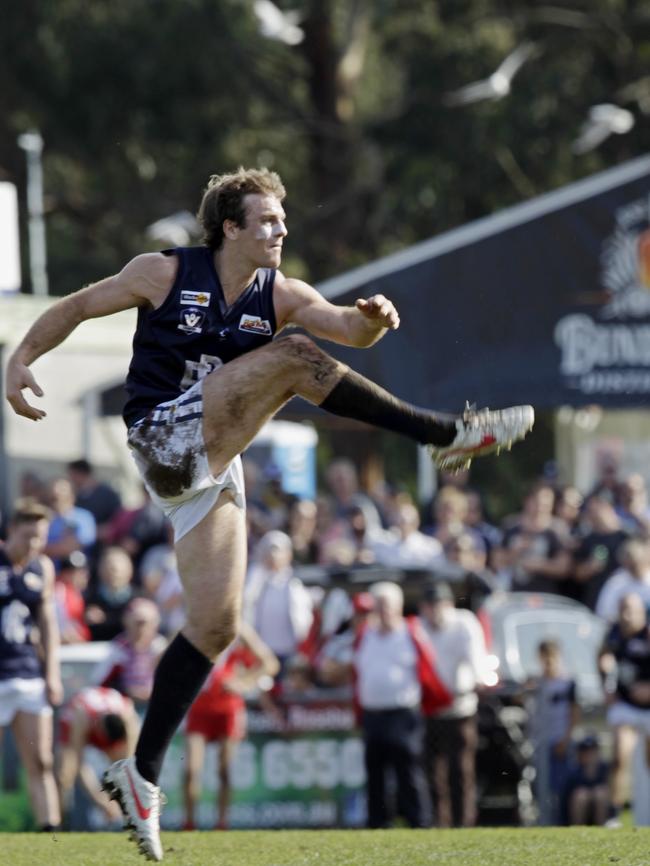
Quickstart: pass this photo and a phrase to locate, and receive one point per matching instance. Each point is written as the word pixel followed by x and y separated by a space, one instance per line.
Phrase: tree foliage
pixel 139 101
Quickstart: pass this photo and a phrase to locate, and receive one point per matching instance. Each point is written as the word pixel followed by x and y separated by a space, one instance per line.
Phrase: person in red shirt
pixel 71 583
pixel 98 717
pixel 218 715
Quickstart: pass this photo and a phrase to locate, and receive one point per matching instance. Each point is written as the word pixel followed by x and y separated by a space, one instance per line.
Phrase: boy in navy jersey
pixel 206 375
pixel 30 679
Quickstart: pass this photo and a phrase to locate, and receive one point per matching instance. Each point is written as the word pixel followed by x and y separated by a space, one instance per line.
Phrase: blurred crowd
pixel 415 667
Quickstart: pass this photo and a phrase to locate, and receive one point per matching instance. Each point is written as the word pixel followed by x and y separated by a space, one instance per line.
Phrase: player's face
pixel 262 237
pixel 29 538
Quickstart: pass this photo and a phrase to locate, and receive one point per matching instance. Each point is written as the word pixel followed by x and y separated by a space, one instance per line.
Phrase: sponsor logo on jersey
pixel 33 581
pixel 192 320
pixel 196 299
pixel 255 325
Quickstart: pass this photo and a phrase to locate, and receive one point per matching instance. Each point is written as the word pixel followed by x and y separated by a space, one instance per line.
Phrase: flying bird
pixel 603 120
pixel 498 84
pixel 275 24
pixel 178 229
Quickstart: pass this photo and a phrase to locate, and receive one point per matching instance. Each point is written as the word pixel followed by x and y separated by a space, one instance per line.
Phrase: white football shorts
pixel 170 453
pixel 622 713
pixel 18 695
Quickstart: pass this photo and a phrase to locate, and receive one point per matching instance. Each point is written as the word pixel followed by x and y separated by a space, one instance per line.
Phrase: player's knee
pixel 298 347
pixel 42 764
pixel 213 635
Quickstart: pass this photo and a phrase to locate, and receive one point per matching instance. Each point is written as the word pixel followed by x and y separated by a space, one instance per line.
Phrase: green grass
pixel 573 846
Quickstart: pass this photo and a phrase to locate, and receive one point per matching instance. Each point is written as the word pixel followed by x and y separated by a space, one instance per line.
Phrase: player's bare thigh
pixel 240 397
pixel 33 734
pixel 212 565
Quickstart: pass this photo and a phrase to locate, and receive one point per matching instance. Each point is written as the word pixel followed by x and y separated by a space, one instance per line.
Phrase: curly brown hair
pixel 223 199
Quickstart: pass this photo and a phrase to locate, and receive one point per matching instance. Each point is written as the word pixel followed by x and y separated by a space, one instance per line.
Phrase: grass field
pixel 500 847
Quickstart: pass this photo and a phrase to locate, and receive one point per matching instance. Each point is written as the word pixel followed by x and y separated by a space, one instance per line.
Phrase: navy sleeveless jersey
pixel 21 592
pixel 194 332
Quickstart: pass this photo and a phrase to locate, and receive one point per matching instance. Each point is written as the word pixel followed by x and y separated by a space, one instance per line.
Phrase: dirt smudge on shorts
pixel 168 472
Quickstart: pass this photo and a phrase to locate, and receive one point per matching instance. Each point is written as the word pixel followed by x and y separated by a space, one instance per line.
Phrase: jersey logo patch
pixel 191 321
pixel 197 299
pixel 255 325
pixel 33 581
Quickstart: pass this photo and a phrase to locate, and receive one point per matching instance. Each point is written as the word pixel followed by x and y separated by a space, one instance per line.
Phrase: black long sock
pixel 354 396
pixel 181 672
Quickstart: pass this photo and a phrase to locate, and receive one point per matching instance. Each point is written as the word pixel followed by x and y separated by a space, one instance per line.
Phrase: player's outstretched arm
pixel 298 303
pixel 143 280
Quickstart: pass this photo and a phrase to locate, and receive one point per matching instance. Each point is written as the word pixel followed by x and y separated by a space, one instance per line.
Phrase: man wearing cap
pixel 71 583
pixel 586 791
pixel 457 640
pixel 396 683
pixel 276 602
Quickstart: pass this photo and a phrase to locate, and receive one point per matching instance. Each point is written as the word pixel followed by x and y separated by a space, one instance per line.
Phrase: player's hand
pixel 54 691
pixel 380 310
pixel 19 377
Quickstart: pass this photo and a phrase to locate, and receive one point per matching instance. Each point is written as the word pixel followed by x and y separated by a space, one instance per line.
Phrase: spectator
pixel 567 511
pixel 298 682
pixel 632 577
pixel 276 603
pixel 586 793
pixel 71 528
pixel 134 654
pixel 607 482
pixel 475 519
pixel 107 602
pixel 532 553
pixel 452 732
pixel 94 495
pixel 257 517
pixel 32 486
pixel 30 677
pixel 395 679
pixel 554 714
pixel 218 715
pixel 624 664
pixel 139 530
pixel 633 506
pixel 343 619
pixel 343 482
pixel 275 500
pixel 161 580
pixel 357 540
pixel 466 557
pixel 71 584
pixel 387 498
pixel 408 547
pixel 302 531
pixel 597 555
pixel 104 719
pixel 450 508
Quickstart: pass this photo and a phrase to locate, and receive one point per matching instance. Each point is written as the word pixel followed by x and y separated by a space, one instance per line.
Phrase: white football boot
pixel 140 801
pixel 480 432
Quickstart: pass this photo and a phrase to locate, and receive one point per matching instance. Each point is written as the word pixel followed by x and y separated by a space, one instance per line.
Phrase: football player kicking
pixel 207 372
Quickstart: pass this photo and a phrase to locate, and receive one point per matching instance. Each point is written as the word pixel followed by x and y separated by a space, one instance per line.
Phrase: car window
pixel 578 634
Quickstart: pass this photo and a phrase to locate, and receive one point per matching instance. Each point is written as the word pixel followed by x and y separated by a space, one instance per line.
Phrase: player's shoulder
pixel 48 571
pixel 291 285
pixel 156 269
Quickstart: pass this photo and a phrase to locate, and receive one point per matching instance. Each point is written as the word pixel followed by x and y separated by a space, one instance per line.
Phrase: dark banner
pixel 552 309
